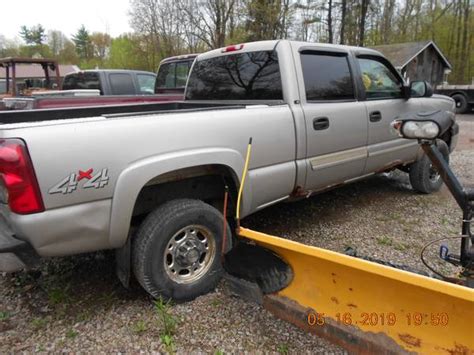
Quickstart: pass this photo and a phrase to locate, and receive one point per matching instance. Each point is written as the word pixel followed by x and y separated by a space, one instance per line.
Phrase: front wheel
pixel 176 252
pixel 424 177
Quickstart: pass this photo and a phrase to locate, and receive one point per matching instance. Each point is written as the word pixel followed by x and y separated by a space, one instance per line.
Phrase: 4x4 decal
pixel 71 182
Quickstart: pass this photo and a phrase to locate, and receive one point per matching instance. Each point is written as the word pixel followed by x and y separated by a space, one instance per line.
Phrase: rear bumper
pixel 15 254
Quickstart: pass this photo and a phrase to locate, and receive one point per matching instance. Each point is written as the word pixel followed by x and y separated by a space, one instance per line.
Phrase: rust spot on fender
pixel 352 305
pixel 351 289
pixel 410 339
pixel 335 300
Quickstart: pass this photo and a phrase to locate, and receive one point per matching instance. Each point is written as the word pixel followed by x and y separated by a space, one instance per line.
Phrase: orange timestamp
pixel 381 319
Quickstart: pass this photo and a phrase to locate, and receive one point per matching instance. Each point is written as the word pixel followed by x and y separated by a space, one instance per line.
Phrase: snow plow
pixel 361 305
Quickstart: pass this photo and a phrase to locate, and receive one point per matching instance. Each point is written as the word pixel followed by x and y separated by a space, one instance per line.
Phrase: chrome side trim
pixel 334 159
pixel 392 149
pixel 272 202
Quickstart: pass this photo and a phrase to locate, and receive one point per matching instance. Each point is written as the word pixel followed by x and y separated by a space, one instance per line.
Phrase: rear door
pixel 384 102
pixel 122 84
pixel 336 123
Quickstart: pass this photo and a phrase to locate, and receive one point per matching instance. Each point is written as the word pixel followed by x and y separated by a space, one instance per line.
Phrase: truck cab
pixel 112 81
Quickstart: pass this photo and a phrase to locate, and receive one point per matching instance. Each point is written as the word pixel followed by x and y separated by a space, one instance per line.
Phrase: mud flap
pixel 122 263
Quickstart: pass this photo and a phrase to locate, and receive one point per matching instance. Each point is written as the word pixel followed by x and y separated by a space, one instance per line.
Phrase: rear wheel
pixel 176 253
pixel 424 177
pixel 462 105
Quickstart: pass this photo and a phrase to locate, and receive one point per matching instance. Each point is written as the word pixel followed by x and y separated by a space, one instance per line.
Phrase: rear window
pixel 326 76
pixel 82 81
pixel 245 76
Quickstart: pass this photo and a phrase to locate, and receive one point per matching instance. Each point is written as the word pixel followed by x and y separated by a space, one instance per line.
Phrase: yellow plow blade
pixel 367 307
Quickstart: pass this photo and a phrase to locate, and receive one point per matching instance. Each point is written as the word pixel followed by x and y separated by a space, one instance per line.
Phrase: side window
pixel 166 76
pixel 326 76
pixel 122 84
pixel 182 70
pixel 146 83
pixel 379 81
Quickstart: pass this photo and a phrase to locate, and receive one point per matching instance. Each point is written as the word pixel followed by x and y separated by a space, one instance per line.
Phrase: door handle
pixel 375 116
pixel 320 123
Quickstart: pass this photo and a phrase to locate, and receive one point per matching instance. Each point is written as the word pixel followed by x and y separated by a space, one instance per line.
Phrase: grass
pixel 218 352
pixel 71 334
pixel 58 295
pixel 4 315
pixel 283 349
pixel 216 302
pixel 384 240
pixel 38 323
pixel 167 322
pixel 139 327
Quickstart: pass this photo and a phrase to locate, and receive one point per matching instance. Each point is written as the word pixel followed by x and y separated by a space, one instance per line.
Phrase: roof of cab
pixel 114 71
pixel 270 45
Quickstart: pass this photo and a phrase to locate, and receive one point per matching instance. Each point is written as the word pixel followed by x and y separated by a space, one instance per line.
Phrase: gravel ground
pixel 76 303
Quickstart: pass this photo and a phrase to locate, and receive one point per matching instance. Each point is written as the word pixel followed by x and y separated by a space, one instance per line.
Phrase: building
pixel 418 61
pixel 33 73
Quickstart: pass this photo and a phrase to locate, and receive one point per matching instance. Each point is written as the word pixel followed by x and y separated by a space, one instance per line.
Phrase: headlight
pixel 423 130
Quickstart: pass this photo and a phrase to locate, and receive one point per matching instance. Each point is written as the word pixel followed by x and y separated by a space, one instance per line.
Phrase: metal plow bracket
pixel 367 307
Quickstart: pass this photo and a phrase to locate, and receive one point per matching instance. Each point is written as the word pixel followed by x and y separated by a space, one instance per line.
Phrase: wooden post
pixel 13 79
pixel 7 70
pixel 46 75
pixel 58 78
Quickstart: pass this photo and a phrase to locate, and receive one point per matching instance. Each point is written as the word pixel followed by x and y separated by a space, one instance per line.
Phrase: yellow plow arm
pixel 367 307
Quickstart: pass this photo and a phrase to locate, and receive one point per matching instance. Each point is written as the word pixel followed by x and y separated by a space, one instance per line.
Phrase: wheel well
pixel 204 182
pixel 458 93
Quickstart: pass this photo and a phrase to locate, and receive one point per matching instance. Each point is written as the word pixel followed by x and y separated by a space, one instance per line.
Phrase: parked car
pixel 463 95
pixel 148 180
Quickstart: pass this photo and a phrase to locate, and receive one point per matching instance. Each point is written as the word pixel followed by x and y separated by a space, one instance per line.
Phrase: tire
pixel 176 252
pixel 423 177
pixel 462 105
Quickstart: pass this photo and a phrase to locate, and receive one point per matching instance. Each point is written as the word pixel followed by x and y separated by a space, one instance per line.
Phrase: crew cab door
pixel 336 123
pixel 384 102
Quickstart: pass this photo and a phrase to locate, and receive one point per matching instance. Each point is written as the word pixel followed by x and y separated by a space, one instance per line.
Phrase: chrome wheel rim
pixel 433 174
pixel 189 254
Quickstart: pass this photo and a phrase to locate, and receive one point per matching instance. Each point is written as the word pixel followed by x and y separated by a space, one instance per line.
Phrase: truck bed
pixel 23 116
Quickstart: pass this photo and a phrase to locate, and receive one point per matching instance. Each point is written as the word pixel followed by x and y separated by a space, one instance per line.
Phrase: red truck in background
pixel 112 87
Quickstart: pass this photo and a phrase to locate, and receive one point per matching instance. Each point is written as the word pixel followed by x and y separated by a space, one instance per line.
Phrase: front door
pixel 384 102
pixel 336 123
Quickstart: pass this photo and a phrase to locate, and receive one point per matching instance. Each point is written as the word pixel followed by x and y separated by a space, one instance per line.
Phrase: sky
pixel 65 15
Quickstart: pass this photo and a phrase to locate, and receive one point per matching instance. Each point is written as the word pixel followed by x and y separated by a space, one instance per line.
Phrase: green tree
pixel 126 53
pixel 83 44
pixel 34 35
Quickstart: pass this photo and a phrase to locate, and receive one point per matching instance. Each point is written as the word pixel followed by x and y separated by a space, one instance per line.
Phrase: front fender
pixel 137 174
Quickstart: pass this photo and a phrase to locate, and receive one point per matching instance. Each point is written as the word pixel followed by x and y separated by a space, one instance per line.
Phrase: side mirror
pixel 421 89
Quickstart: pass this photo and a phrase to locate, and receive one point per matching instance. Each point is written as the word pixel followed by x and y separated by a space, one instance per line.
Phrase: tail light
pixel 233 48
pixel 20 187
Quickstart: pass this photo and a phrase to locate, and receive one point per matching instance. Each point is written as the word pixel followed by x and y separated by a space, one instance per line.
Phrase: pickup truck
pixel 463 96
pixel 149 180
pixel 112 81
pixel 116 87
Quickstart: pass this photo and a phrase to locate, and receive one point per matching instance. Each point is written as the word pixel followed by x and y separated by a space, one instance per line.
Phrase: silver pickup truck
pixel 148 180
